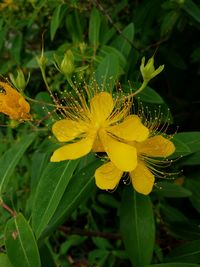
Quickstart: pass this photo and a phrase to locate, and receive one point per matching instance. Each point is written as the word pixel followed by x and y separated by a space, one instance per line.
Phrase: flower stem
pixel 7 208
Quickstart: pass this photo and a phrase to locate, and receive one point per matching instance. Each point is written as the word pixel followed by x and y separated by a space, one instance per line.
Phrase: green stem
pixel 144 84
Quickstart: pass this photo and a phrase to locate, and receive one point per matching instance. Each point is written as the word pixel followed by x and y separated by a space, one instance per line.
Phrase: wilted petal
pixel 108 176
pixel 101 106
pixel 131 129
pixel 66 130
pixel 156 146
pixel 122 155
pixel 142 179
pixel 73 151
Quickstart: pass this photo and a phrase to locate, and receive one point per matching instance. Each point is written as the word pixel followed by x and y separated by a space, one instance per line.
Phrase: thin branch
pixel 83 232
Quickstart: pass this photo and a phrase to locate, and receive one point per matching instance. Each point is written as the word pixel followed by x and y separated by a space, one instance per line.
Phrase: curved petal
pixel 107 176
pixel 131 129
pixel 66 130
pixel 73 151
pixel 101 106
pixel 156 146
pixel 122 155
pixel 142 179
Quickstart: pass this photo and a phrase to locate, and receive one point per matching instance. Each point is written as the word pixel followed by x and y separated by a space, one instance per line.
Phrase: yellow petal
pixel 122 155
pixel 108 176
pixel 12 103
pixel 142 179
pixel 98 146
pixel 66 130
pixel 101 106
pixel 73 151
pixel 131 129
pixel 156 146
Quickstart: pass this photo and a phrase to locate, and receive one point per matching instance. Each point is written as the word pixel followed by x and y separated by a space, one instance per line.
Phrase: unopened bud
pixel 67 64
pixel 19 82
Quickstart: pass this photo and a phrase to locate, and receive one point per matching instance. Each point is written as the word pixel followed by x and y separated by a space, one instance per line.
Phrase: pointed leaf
pixel 79 189
pixel 123 42
pixel 107 72
pixel 94 27
pixel 20 243
pixel 49 192
pixel 11 158
pixel 137 226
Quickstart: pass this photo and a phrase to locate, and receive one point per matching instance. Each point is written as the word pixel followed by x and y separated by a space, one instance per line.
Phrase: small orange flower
pixel 13 104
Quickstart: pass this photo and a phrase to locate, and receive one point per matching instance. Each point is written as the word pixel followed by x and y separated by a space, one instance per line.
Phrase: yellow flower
pixel 12 103
pixel 148 71
pixel 8 3
pixel 143 176
pixel 101 126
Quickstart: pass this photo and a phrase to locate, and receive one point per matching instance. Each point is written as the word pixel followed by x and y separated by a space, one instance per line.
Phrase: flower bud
pixel 148 71
pixel 67 64
pixel 19 82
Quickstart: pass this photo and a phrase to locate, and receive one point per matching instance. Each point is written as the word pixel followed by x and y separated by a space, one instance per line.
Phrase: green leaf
pixel 137 226
pixel 11 158
pixel 192 159
pixel 190 139
pixel 78 190
pixel 107 72
pixel 172 264
pixel 124 41
pixel 16 48
pixel 167 189
pixel 192 9
pixel 49 192
pixel 4 261
pixel 20 243
pixel 189 252
pixel 55 21
pixel 94 27
pixel 148 95
pixel 168 22
pixel 193 186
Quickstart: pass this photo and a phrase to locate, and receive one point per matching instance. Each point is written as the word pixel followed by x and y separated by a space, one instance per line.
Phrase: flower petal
pixel 142 179
pixel 156 146
pixel 66 130
pixel 98 146
pixel 131 129
pixel 73 151
pixel 122 155
pixel 108 176
pixel 101 106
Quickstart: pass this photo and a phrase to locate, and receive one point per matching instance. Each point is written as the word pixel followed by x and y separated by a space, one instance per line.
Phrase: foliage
pixel 52 214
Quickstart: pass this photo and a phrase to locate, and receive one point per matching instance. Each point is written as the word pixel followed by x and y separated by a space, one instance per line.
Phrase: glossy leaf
pixel 79 189
pixel 20 243
pixel 137 226
pixel 11 158
pixel 49 192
